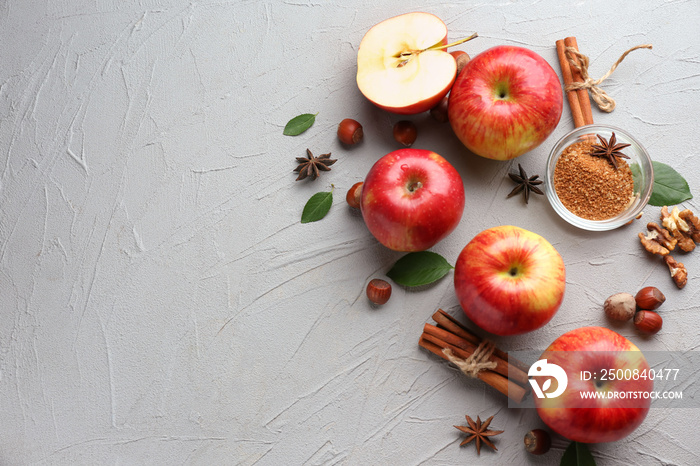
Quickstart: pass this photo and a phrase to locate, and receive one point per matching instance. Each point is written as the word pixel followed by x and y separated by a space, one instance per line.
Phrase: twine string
pixel 580 63
pixel 478 361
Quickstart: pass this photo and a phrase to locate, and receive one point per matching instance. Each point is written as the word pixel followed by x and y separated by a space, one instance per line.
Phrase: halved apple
pixel 396 68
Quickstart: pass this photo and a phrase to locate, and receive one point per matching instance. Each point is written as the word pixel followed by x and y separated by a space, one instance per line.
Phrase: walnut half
pixel 658 240
pixel 693 224
pixel 678 228
pixel 679 274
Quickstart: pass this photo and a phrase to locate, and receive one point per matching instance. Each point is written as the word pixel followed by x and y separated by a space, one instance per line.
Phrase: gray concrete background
pixel 160 302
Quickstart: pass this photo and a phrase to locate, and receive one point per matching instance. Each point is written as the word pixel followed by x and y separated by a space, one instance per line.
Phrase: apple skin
pixel 423 81
pixel 595 420
pixel 411 199
pixel 506 101
pixel 509 280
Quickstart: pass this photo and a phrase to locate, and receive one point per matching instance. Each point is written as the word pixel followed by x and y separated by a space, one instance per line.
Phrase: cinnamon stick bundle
pixel 579 101
pixel 509 376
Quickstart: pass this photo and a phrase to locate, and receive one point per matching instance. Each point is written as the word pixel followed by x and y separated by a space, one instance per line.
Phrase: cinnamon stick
pixel 571 96
pixel 466 347
pixel 509 376
pixel 583 98
pixel 449 323
pixel 509 388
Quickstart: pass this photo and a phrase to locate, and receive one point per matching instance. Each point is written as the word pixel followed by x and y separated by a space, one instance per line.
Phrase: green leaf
pixel 419 268
pixel 577 454
pixel 670 188
pixel 317 207
pixel 299 124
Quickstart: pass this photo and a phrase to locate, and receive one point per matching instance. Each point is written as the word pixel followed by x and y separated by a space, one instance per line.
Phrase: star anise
pixel 312 166
pixel 480 432
pixel 609 149
pixel 525 184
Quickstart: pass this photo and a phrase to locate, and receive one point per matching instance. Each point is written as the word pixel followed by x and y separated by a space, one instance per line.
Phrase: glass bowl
pixel 639 161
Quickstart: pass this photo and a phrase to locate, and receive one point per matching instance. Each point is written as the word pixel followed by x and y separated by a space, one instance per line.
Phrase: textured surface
pixel 160 301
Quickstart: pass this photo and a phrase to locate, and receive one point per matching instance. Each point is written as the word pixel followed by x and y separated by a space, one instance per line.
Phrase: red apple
pixel 411 199
pixel 397 70
pixel 596 360
pixel 509 280
pixel 506 101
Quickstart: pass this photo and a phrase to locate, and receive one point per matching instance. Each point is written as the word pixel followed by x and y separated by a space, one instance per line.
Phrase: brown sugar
pixel 589 186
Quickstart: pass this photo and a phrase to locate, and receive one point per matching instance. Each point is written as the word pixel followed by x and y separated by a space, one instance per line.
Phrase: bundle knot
pixel 580 63
pixel 476 362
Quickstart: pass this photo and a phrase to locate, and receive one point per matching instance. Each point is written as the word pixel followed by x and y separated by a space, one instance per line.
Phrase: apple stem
pixel 461 41
pixel 409 54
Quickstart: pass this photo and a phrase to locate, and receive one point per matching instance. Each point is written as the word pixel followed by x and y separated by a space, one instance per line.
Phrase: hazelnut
pixel 354 194
pixel 648 321
pixel 350 131
pixel 620 306
pixel 649 298
pixel 405 132
pixel 462 58
pixel 439 112
pixel 537 442
pixel 378 291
